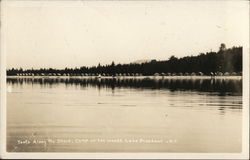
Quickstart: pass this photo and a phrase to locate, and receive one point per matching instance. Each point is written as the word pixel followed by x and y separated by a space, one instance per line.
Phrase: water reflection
pixel 203 115
pixel 220 86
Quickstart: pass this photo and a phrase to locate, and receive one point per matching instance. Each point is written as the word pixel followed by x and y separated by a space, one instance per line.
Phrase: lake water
pixel 124 115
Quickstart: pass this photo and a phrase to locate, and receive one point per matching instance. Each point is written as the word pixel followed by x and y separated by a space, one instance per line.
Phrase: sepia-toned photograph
pixel 131 77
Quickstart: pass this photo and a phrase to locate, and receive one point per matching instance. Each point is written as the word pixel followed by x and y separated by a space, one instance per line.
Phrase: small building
pixel 156 74
pixel 180 74
pixel 173 74
pixel 193 74
pixel 233 74
pixel 200 74
pixel 186 74
pixel 226 74
pixel 219 74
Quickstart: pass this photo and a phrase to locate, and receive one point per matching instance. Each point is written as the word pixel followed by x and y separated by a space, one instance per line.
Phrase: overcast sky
pixel 61 34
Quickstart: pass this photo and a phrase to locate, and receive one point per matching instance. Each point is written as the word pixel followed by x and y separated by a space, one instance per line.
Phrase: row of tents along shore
pixel 133 74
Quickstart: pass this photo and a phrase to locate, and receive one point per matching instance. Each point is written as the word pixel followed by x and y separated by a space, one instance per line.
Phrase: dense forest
pixel 227 61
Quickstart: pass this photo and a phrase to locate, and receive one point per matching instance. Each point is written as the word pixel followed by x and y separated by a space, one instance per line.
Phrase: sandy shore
pixel 132 77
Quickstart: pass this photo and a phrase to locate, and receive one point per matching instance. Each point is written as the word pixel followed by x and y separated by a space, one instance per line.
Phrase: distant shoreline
pixel 131 77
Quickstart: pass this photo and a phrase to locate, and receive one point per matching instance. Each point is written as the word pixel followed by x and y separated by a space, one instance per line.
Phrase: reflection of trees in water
pixel 205 85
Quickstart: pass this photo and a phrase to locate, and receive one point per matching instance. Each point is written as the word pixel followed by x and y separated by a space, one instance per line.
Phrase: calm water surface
pixel 123 115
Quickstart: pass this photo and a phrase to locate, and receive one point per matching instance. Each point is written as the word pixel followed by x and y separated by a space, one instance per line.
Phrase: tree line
pixel 223 61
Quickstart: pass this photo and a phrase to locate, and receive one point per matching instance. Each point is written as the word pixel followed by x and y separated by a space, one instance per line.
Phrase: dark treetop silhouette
pixel 224 62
